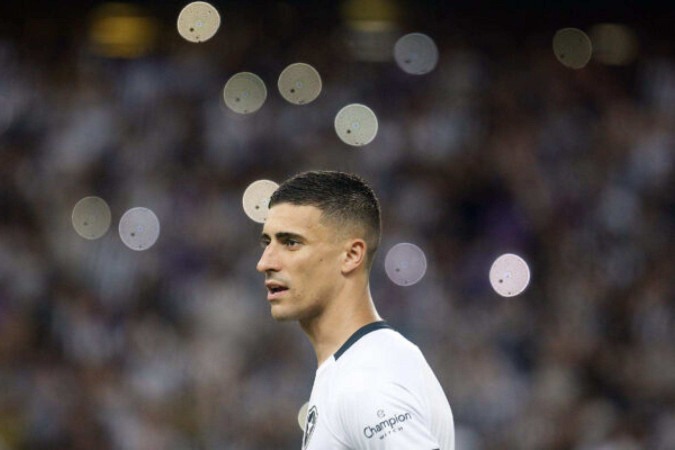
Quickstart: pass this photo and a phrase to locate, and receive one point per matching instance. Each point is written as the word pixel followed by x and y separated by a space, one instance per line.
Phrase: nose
pixel 268 261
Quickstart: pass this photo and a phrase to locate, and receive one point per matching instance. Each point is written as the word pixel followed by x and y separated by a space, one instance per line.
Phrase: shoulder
pixel 379 359
pixel 385 347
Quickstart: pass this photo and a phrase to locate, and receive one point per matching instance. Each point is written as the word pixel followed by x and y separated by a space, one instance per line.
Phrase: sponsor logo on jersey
pixel 310 425
pixel 388 425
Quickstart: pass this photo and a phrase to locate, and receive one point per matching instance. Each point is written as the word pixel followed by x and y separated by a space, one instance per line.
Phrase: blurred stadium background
pixel 500 148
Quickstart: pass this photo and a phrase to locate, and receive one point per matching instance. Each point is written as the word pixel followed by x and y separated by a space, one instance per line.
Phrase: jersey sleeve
pixel 385 417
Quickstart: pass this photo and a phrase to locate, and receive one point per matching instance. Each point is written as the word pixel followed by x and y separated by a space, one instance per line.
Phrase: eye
pixel 264 243
pixel 291 243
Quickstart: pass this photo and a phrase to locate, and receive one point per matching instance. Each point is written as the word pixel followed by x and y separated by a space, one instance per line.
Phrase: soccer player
pixel 373 388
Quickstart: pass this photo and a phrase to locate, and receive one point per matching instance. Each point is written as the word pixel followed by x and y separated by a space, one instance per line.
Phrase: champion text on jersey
pixel 387 426
pixel 310 425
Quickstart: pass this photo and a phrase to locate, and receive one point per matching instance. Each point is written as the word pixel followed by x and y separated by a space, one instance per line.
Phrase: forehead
pixel 299 219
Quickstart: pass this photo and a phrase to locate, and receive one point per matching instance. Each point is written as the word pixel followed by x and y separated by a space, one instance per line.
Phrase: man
pixel 373 388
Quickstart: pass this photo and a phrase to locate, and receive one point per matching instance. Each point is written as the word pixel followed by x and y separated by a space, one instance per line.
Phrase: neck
pixel 338 321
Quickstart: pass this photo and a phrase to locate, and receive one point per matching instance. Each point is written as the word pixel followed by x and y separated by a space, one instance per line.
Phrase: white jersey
pixel 378 392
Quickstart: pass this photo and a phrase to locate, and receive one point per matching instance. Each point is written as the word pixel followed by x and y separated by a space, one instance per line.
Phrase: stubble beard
pixel 286 312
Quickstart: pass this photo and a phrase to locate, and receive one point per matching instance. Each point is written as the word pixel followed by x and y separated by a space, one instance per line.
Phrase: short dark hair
pixel 344 198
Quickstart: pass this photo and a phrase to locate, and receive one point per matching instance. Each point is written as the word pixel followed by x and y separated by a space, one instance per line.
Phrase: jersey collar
pixel 358 334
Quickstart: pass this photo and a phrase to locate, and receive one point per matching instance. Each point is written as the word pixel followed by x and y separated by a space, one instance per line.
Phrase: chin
pixel 280 315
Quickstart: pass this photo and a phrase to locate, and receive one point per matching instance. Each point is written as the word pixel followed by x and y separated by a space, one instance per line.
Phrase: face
pixel 301 262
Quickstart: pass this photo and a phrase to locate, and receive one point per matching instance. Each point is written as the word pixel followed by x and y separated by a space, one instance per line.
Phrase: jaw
pixel 279 313
pixel 288 309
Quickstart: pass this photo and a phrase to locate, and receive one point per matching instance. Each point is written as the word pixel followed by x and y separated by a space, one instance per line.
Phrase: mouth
pixel 275 291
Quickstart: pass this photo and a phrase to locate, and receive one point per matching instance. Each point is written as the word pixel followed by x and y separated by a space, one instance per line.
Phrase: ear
pixel 354 255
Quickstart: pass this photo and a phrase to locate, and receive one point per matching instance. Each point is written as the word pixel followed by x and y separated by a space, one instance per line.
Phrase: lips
pixel 275 290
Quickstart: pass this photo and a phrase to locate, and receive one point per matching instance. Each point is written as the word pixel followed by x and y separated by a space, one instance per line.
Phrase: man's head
pixel 346 201
pixel 322 231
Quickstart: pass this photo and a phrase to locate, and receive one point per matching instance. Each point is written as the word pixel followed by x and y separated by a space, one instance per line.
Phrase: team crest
pixel 310 425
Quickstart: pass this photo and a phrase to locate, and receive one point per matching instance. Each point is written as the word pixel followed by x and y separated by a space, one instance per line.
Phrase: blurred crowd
pixel 499 149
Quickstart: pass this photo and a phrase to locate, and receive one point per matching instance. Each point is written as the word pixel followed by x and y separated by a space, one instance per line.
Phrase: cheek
pixel 324 273
pixel 317 271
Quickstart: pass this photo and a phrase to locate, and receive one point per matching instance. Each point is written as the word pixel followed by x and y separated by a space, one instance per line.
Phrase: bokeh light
pixel 356 125
pixel 371 28
pixel 256 199
pixel 91 217
pixel 405 264
pixel 245 93
pixel 572 47
pixel 122 30
pixel 416 53
pixel 614 44
pixel 139 228
pixel 509 275
pixel 302 415
pixel 198 22
pixel 299 83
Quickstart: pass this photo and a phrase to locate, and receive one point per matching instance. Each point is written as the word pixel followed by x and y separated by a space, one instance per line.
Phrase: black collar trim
pixel 358 334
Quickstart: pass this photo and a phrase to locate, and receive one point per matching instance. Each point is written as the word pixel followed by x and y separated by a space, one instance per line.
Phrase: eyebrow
pixel 283 236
